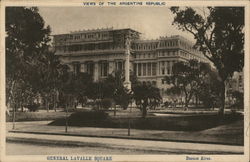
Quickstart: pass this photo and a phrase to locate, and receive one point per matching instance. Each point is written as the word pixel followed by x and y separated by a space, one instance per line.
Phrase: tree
pixel 74 88
pixel 93 91
pixel 26 40
pixel 209 90
pixel 113 88
pixel 173 93
pixel 239 99
pixel 219 35
pixel 119 93
pixel 45 77
pixel 146 95
pixel 187 78
pixel 154 97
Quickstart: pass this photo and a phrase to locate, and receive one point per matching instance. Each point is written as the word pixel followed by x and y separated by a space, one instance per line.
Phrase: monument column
pixel 96 71
pixel 127 82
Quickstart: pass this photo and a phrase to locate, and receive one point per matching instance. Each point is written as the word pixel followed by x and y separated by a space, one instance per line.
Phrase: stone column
pixel 151 69
pixel 170 65
pixel 111 67
pixel 71 67
pixel 96 71
pixel 83 68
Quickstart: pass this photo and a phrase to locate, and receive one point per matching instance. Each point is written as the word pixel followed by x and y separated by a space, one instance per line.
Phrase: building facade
pixel 100 52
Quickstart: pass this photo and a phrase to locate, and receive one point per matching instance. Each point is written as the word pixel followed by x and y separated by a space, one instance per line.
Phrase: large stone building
pixel 100 52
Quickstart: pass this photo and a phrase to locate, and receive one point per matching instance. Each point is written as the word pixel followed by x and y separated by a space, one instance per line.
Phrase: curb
pixel 123 137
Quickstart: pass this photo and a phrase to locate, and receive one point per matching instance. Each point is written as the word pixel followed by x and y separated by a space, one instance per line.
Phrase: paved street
pixel 38 149
pixel 73 144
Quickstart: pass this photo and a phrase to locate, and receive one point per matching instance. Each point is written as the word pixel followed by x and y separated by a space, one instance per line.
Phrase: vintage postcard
pixel 104 81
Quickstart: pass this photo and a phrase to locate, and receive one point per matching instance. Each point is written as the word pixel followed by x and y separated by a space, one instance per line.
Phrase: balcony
pixel 81 53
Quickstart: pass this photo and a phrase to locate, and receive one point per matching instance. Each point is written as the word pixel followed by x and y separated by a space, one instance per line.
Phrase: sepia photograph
pixel 93 83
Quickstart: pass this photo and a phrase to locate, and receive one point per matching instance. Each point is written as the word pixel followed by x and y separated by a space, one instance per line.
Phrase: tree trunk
pixel 21 105
pixel 115 110
pixel 54 100
pixel 222 107
pixel 129 127
pixel 66 119
pixel 47 104
pixel 144 110
pixel 14 116
pixel 186 103
pixel 11 97
pixel 196 100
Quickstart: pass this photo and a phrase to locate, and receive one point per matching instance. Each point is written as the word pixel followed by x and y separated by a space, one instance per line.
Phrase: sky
pixel 152 22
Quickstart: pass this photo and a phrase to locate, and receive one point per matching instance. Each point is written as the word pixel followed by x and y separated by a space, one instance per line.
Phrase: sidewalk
pixel 131 144
pixel 211 136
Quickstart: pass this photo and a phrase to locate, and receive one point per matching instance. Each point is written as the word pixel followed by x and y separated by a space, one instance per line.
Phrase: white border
pixel 57 3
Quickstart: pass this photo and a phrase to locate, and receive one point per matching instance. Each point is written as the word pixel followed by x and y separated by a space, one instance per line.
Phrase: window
pixel 168 70
pixel 162 81
pixel 163 71
pixel 139 69
pixel 104 68
pixel 240 78
pixel 144 69
pixel 149 69
pixel 153 68
pixel 90 68
pixel 135 69
pixel 119 65
pixel 76 68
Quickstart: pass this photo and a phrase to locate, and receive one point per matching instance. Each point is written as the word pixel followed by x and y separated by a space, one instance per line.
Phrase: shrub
pixel 51 106
pixel 81 118
pixel 33 107
pixel 106 103
pixel 89 115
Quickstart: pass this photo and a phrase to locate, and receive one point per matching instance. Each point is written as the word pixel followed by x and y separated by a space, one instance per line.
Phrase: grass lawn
pixel 181 127
pixel 172 123
pixel 35 116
